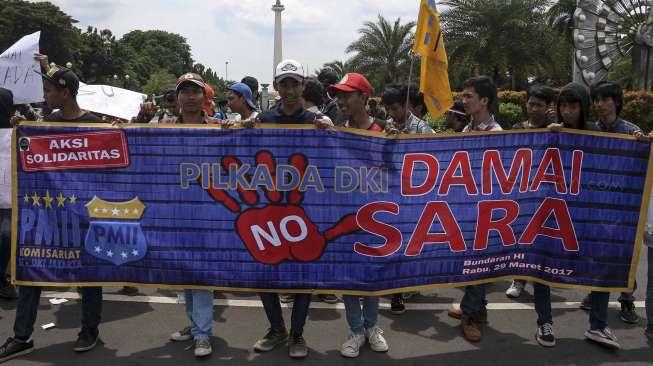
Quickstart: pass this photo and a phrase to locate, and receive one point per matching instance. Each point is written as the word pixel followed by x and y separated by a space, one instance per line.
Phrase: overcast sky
pixel 242 31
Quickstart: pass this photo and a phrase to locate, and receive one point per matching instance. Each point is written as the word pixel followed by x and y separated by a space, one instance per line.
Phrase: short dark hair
pixel 485 88
pixel 393 94
pixel 313 91
pixel 328 76
pixel 546 93
pixel 252 83
pixel 372 103
pixel 608 89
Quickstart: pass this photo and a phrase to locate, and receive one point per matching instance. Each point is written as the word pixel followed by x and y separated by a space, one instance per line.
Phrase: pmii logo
pixel 278 231
pixel 117 238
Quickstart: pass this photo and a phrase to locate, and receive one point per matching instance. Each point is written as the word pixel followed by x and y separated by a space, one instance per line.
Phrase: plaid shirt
pixel 489 125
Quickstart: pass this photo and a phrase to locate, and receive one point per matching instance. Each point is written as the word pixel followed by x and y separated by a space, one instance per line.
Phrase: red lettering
pixel 422 235
pixel 485 223
pixel 460 160
pixel 365 220
pixel 576 166
pixel 522 161
pixel 551 158
pixel 565 230
pixel 432 171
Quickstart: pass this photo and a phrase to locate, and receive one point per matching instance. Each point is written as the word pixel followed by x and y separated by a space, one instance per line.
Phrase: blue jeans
pixel 199 309
pixel 649 290
pixel 361 319
pixel 542 294
pixel 272 308
pixel 28 306
pixel 473 300
pixel 5 242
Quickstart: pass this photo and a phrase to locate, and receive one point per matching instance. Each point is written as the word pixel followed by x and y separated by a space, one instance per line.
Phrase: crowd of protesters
pixel 326 102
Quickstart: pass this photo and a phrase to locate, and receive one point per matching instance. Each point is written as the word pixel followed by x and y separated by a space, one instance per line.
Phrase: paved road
pixel 135 332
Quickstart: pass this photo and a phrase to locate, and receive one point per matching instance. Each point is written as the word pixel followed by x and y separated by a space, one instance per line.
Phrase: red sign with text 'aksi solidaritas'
pixel 87 150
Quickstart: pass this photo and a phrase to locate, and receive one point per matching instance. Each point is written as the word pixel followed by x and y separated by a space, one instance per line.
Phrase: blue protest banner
pixel 325 211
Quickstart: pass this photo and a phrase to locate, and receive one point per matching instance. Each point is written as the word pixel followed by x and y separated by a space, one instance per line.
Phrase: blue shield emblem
pixel 116 242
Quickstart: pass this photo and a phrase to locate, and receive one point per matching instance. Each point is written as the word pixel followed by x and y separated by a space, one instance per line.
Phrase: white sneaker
pixel 181 335
pixel 351 347
pixel 515 289
pixel 203 348
pixel 604 337
pixel 375 337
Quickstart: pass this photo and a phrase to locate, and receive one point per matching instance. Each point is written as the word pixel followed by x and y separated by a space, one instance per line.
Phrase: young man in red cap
pixel 191 98
pixel 352 94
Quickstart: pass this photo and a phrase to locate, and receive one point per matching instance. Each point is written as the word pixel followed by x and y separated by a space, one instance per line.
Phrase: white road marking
pixel 320 305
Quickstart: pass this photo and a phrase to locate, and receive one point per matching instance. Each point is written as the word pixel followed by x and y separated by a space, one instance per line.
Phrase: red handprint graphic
pixel 278 231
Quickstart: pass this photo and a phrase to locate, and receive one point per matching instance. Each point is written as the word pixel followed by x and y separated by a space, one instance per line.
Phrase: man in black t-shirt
pixel 60 87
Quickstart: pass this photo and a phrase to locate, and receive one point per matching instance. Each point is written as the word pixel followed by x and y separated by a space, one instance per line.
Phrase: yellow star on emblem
pixel 36 200
pixel 48 199
pixel 26 198
pixel 72 199
pixel 61 200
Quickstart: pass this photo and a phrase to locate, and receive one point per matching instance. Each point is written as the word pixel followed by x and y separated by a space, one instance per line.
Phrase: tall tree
pixel 59 38
pixel 341 68
pixel 499 38
pixel 99 57
pixel 382 51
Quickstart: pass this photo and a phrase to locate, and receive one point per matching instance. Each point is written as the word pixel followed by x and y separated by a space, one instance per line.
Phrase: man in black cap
pixel 60 87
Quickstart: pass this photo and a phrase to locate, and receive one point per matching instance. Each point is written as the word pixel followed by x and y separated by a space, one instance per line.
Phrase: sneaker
pixel 181 335
pixel 604 337
pixel 86 341
pixel 297 346
pixel 377 341
pixel 628 314
pixel 202 348
pixel 471 330
pixel 649 333
pixel 328 298
pixel 397 306
pixel 515 289
pixel 14 348
pixel 545 336
pixel 351 347
pixel 8 291
pixel 457 313
pixel 286 298
pixel 586 303
pixel 272 339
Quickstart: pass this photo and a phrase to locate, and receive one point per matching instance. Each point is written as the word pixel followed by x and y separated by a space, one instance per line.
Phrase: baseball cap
pixel 190 78
pixel 289 69
pixel 245 91
pixel 63 77
pixel 352 82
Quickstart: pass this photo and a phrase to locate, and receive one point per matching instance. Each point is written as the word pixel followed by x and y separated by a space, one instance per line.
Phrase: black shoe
pixel 8 291
pixel 271 340
pixel 586 303
pixel 297 346
pixel 545 336
pixel 86 341
pixel 328 298
pixel 397 305
pixel 627 313
pixel 14 348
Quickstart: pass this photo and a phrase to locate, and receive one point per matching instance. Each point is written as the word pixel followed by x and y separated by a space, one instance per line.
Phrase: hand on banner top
pixel 277 231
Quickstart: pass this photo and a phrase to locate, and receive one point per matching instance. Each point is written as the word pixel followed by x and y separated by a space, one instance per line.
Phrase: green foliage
pixel 159 82
pixel 59 38
pixel 638 108
pixel 382 51
pixel 509 114
pixel 99 57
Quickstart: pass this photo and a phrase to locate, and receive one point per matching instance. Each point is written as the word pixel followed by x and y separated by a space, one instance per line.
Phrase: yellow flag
pixel 429 44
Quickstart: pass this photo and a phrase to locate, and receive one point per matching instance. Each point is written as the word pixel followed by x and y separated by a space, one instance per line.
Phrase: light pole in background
pixel 226 70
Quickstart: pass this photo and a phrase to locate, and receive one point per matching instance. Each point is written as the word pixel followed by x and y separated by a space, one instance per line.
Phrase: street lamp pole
pixel 226 70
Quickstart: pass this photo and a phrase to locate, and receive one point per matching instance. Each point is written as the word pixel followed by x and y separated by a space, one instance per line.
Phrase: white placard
pixel 17 66
pixel 5 167
pixel 109 100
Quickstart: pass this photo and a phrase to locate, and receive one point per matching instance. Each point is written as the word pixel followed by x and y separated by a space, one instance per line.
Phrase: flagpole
pixel 412 56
